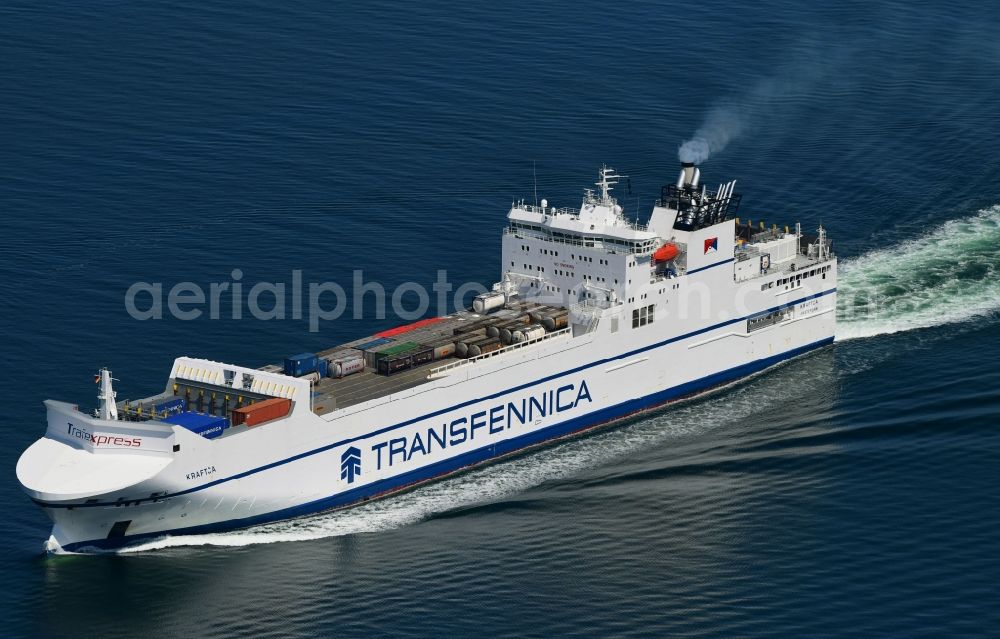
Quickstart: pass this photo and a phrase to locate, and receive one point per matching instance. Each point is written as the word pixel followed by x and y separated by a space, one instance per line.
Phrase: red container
pixel 399 330
pixel 261 412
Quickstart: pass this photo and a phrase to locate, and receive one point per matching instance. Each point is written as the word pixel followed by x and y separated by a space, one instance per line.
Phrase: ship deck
pixel 333 394
pixel 330 394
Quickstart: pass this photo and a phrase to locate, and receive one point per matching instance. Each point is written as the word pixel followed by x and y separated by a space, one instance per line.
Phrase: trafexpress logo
pixel 350 464
pixel 103 440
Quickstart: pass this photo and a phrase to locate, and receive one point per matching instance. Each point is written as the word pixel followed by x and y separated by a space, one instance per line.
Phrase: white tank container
pixel 444 350
pixel 525 334
pixel 346 366
pixel 488 302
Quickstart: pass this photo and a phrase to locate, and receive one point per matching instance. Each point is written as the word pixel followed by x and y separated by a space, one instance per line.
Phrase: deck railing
pixel 506 349
pixel 595 242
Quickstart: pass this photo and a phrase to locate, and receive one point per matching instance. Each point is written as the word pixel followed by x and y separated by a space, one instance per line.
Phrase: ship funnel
pixel 689 176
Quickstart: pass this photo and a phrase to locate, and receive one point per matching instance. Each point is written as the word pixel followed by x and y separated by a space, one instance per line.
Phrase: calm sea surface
pixel 850 493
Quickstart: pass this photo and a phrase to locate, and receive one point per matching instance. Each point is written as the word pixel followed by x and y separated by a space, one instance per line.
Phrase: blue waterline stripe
pixel 414 420
pixel 703 268
pixel 484 453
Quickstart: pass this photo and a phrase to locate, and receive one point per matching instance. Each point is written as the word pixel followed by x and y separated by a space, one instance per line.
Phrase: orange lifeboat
pixel 666 252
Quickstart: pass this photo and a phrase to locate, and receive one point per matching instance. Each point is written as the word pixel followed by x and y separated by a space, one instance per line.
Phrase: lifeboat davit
pixel 666 252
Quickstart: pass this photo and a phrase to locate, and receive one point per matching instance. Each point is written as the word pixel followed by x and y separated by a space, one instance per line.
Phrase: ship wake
pixel 490 484
pixel 947 276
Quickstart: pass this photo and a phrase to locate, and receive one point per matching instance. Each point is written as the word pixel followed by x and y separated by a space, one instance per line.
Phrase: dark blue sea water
pixel 850 493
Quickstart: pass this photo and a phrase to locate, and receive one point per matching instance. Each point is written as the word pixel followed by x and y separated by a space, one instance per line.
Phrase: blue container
pixel 208 426
pixel 299 365
pixel 322 367
pixel 375 343
pixel 172 405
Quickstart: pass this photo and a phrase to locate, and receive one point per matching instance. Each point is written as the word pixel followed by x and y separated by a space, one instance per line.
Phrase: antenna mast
pixel 106 396
pixel 534 175
pixel 608 180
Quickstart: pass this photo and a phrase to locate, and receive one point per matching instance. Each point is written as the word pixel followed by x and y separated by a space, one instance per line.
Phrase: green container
pixel 396 349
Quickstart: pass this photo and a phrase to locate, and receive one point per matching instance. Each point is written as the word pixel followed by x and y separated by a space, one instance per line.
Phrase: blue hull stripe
pixel 480 455
pixel 705 268
pixel 441 411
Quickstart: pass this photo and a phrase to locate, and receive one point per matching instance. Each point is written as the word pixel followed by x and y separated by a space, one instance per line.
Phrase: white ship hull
pixel 239 481
pixel 108 482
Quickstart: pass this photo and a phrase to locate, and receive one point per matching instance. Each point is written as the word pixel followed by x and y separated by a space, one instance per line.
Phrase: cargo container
pixel 555 322
pixel 491 348
pixel 536 315
pixel 468 327
pixel 394 364
pixel 529 333
pixel 312 377
pixel 322 367
pixel 423 356
pixel 462 344
pixel 507 333
pixel 299 365
pixel 208 426
pixel 493 329
pixel 409 327
pixel 347 365
pixel 505 329
pixel 404 361
pixel 372 358
pixel 396 349
pixel 375 343
pixel 488 302
pixel 481 348
pixel 260 412
pixel 464 348
pixel 172 405
pixel 343 353
pixel 443 349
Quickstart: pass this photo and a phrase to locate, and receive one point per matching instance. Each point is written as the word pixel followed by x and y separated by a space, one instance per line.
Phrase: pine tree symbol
pixel 350 464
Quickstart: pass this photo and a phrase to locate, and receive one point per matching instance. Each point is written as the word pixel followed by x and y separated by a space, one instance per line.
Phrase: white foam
pixel 488 484
pixel 944 277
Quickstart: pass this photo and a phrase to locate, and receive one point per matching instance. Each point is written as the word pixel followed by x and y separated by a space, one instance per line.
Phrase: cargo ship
pixel 595 318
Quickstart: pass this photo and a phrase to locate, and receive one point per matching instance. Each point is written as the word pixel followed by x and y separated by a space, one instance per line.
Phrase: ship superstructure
pixel 595 317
